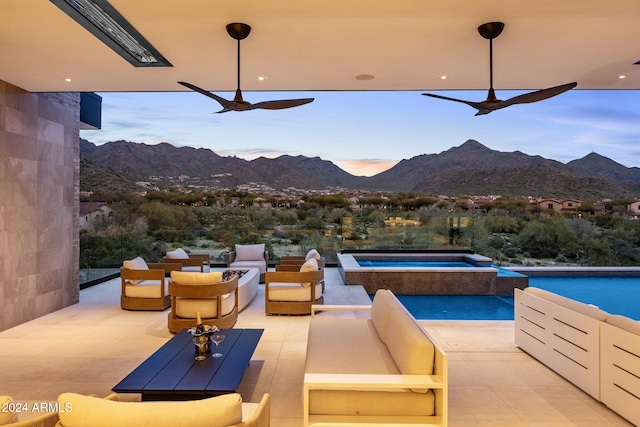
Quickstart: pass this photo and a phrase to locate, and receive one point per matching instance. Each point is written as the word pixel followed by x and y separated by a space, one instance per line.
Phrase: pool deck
pixel 89 347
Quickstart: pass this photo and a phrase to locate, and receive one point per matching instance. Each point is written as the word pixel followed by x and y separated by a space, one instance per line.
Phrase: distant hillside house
pixel 634 208
pixel 94 213
pixel 559 206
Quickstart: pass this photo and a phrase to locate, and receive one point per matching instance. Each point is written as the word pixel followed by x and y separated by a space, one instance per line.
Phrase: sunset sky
pixel 365 133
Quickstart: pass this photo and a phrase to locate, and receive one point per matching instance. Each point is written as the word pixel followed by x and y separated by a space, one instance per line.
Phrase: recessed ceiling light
pixel 364 77
pixel 262 78
pixel 622 76
pixel 443 77
pixel 103 21
pixel 67 79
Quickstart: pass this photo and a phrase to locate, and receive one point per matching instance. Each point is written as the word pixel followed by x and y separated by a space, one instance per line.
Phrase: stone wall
pixel 39 185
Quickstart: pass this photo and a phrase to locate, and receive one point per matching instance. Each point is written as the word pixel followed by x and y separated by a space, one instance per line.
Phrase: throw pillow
pixel 309 265
pixel 250 252
pixel 312 254
pixel 135 264
pixel 219 411
pixel 177 254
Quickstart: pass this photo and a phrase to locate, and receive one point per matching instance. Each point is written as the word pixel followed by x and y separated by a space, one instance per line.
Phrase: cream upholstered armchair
pixel 298 260
pixel 189 262
pixel 294 292
pixel 226 410
pixel 144 286
pixel 213 295
pixel 249 256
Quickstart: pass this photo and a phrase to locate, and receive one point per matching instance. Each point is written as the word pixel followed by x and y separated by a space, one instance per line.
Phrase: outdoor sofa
pixel 379 369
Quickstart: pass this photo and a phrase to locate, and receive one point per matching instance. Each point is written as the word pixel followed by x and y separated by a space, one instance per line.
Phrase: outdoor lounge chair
pixel 294 292
pixel 190 262
pixel 249 256
pixel 144 286
pixel 298 260
pixel 205 293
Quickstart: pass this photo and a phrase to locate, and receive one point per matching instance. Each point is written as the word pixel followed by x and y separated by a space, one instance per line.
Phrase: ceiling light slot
pixel 102 20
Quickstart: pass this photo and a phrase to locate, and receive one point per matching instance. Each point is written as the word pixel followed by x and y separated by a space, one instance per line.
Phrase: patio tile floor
pixel 89 347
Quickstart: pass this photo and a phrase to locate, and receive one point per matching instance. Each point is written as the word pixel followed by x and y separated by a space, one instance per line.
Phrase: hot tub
pixel 428 273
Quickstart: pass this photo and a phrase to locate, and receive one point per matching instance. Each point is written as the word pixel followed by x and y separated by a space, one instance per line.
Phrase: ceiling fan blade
pixel 281 104
pixel 226 104
pixel 538 95
pixel 476 105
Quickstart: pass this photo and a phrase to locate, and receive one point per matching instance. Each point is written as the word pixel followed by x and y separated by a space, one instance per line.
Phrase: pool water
pixel 409 262
pixel 616 295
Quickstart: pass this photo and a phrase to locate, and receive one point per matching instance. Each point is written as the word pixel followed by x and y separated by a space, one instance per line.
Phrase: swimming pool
pixel 614 294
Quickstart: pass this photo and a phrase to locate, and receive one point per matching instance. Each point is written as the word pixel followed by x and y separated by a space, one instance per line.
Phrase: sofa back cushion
pixel 85 411
pixel 250 252
pixel 409 346
pixel 383 302
pixel 178 254
pixel 196 278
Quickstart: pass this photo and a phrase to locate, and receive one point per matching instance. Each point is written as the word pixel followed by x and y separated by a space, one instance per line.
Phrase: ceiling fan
pixel 490 31
pixel 240 31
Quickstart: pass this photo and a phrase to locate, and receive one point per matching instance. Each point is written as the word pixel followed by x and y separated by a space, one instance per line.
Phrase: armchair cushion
pixel 137 263
pixel 309 265
pixel 219 411
pixel 7 415
pixel 250 252
pixel 145 288
pixel 193 278
pixel 292 292
pixel 177 254
pixel 207 307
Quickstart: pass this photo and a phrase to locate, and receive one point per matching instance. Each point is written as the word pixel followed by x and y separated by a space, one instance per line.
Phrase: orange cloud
pixel 365 167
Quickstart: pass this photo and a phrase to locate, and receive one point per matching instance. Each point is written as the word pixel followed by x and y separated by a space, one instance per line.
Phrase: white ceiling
pixel 309 45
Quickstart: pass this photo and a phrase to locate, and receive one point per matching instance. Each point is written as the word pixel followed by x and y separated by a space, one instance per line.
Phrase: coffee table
pixel 172 373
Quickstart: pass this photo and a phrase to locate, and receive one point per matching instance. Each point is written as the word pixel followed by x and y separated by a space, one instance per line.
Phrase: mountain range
pixel 469 169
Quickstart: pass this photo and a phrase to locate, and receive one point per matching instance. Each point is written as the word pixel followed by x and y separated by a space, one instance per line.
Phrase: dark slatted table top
pixel 172 373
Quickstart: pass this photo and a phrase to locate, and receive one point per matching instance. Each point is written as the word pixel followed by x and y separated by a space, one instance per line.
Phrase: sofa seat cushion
pixel 243 265
pixel 358 350
pixel 292 292
pixel 219 411
pixel 188 307
pixel 577 306
pixel 336 346
pixel 145 289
